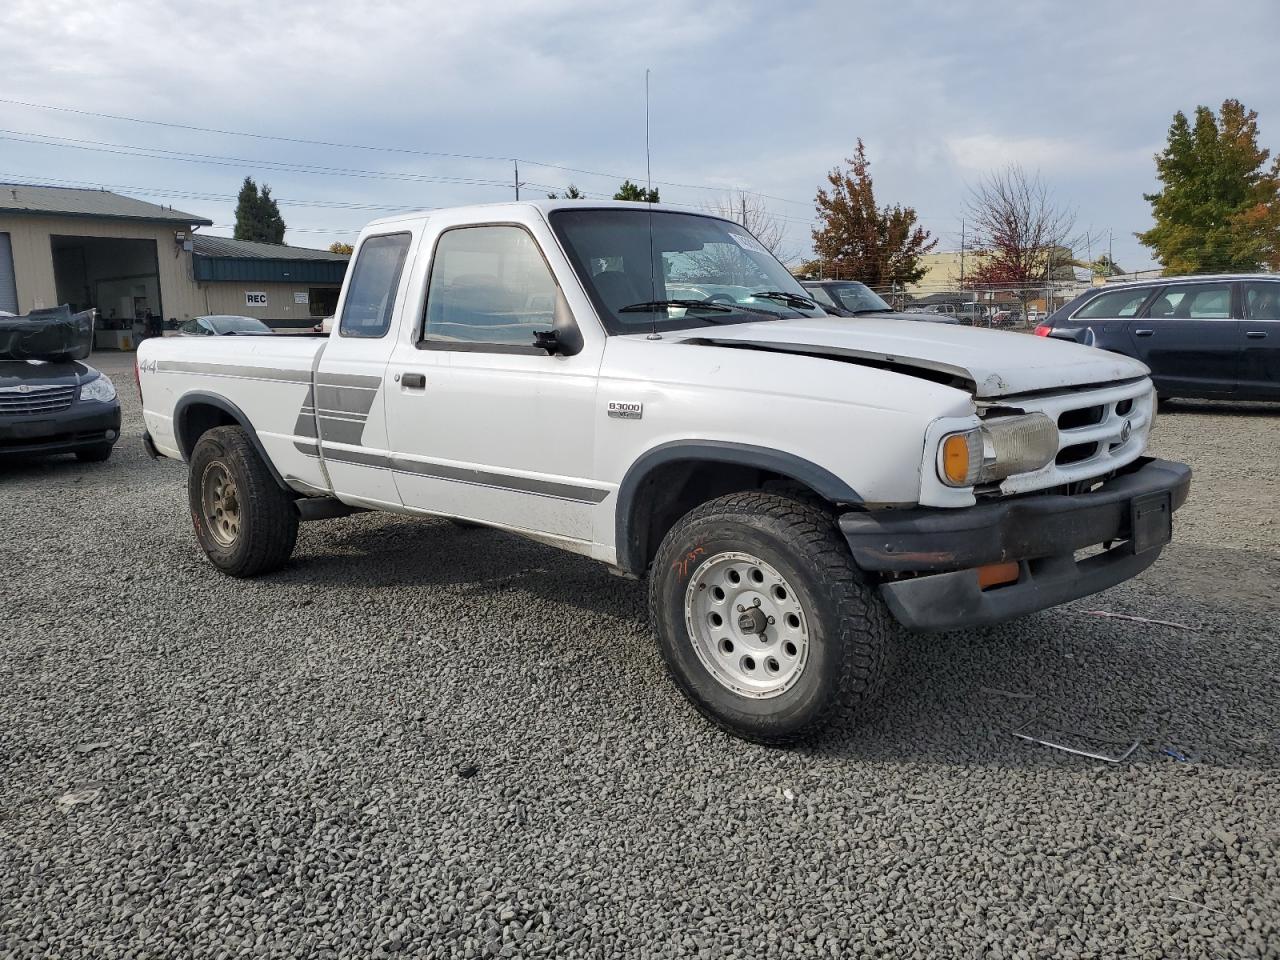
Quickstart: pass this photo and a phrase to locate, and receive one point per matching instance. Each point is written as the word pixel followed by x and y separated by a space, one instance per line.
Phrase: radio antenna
pixel 648 198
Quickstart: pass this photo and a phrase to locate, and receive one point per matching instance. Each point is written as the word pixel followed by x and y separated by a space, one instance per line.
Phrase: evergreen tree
pixel 857 240
pixel 635 192
pixel 1219 206
pixel 572 193
pixel 257 215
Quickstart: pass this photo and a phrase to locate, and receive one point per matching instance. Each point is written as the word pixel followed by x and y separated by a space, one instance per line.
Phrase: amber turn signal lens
pixel 997 574
pixel 955 459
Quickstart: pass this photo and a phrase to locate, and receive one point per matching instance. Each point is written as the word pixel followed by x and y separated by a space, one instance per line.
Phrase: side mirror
pixel 564 337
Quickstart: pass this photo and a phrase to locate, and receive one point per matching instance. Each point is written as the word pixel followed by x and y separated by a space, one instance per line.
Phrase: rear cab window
pixel 375 277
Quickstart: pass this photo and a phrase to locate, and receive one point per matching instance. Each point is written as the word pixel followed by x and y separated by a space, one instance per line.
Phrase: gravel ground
pixel 430 741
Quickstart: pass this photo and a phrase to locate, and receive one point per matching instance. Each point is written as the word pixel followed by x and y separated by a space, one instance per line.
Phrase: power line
pixel 378 148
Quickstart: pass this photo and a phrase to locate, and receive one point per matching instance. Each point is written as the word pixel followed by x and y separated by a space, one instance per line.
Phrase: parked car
pixel 791 483
pixel 849 298
pixel 223 325
pixel 50 401
pixel 1201 336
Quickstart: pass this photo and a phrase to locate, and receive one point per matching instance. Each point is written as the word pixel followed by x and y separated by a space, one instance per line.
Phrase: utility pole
pixel 1111 263
pixel 962 253
pixel 517 166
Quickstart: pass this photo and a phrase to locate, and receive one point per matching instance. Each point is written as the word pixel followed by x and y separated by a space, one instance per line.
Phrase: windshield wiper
pixel 656 306
pixel 860 312
pixel 790 299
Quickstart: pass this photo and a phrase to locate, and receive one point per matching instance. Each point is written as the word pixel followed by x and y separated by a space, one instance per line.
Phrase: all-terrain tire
pixel 849 628
pixel 266 526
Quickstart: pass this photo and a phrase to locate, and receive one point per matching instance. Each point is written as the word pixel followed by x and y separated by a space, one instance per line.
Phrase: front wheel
pixel 244 521
pixel 763 620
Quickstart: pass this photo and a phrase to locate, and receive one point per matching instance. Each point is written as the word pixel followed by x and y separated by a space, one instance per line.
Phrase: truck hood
pixel 991 363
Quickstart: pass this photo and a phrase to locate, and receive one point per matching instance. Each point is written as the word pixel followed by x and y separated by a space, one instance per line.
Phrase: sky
pixel 424 105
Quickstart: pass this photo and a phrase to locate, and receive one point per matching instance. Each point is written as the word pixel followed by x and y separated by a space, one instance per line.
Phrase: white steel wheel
pixel 747 625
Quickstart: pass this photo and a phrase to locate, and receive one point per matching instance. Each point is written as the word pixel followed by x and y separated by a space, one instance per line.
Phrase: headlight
pixel 100 388
pixel 999 448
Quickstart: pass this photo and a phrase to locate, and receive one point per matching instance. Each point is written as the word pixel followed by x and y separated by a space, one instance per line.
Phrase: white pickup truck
pixel 651 388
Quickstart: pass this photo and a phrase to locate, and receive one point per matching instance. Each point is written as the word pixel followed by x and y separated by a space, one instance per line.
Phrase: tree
pixel 345 249
pixel 1219 206
pixel 570 193
pixel 636 193
pixel 1024 236
pixel 749 210
pixel 859 241
pixel 257 215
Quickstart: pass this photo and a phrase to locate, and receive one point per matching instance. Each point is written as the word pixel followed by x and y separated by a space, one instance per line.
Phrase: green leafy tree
pixel 339 247
pixel 570 193
pixel 857 240
pixel 257 215
pixel 636 193
pixel 1219 205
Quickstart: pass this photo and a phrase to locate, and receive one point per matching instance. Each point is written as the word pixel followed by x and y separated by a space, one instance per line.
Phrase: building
pixel 132 260
pixel 282 286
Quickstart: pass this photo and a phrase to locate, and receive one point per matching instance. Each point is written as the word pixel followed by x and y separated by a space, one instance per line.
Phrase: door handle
pixel 1143 332
pixel 1256 334
pixel 413 381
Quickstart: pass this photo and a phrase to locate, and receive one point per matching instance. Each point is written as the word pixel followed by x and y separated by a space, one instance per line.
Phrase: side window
pixel 1193 301
pixel 1262 301
pixel 189 327
pixel 489 286
pixel 375 278
pixel 1119 303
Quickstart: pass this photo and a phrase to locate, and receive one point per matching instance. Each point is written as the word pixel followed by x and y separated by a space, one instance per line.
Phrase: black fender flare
pixel 200 398
pixel 628 543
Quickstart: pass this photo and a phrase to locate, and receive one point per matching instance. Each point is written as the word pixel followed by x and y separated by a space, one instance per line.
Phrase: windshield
pixel 856 297
pixel 238 325
pixel 702 271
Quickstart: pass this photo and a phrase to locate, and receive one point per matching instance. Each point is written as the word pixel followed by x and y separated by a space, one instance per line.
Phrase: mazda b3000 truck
pixel 651 388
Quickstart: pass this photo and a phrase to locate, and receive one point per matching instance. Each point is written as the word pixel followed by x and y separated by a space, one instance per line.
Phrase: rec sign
pixel 255 299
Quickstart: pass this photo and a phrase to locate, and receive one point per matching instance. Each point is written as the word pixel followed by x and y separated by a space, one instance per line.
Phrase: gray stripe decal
pixel 344 399
pixel 233 370
pixel 310 449
pixel 481 478
pixel 348 380
pixel 341 431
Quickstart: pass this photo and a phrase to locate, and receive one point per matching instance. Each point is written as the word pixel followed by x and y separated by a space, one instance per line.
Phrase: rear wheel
pixel 763 620
pixel 246 524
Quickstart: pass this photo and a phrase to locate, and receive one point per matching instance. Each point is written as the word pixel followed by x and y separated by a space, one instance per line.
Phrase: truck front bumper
pixel 929 558
pixel 82 426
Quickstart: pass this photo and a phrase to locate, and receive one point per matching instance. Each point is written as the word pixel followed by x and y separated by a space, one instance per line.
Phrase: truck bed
pixel 267 379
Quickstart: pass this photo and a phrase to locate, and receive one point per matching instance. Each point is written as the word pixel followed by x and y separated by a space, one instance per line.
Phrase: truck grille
pixel 1099 430
pixel 35 400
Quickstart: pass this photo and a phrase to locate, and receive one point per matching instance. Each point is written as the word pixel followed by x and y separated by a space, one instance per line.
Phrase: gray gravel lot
pixel 430 741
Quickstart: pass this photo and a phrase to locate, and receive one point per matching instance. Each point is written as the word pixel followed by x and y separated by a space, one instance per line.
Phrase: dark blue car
pixel 51 402
pixel 1213 337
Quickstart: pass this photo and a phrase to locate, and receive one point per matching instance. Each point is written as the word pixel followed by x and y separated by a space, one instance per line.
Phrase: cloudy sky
pixel 423 103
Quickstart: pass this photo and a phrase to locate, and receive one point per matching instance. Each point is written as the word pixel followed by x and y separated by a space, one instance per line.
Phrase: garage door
pixel 8 289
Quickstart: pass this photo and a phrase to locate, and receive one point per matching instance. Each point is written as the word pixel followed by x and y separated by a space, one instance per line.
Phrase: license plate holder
pixel 1151 520
pixel 33 429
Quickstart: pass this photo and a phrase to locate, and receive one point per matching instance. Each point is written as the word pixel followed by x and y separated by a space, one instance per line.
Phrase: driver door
pixel 484 425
